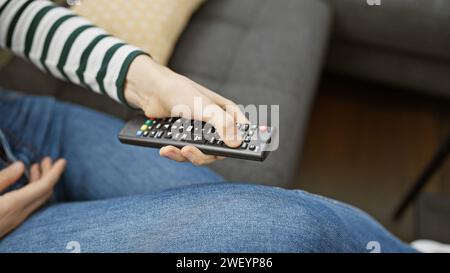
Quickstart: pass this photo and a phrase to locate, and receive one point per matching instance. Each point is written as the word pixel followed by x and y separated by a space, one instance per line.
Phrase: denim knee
pixel 248 218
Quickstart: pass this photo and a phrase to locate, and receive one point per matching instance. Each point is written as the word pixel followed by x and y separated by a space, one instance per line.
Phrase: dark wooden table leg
pixel 437 161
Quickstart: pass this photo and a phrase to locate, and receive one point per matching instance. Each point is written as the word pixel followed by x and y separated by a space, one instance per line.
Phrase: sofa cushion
pixel 153 25
pixel 260 52
pixel 418 27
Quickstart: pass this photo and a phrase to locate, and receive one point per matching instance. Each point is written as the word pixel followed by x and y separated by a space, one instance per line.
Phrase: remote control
pixel 180 132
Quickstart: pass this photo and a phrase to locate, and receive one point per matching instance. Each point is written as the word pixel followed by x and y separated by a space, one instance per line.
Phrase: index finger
pixel 224 123
pixel 224 103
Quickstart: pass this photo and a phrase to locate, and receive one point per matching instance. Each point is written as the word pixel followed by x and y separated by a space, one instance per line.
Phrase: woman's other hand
pixel 17 205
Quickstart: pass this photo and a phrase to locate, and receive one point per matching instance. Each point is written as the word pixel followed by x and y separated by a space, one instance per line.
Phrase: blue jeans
pixel 120 198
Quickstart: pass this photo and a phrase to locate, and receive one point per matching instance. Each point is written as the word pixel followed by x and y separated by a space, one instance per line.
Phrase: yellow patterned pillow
pixel 152 25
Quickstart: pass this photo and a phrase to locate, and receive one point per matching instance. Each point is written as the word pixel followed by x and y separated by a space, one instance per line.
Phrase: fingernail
pixel 237 144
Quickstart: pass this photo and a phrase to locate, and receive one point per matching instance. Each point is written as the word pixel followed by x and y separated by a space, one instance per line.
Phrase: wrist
pixel 142 80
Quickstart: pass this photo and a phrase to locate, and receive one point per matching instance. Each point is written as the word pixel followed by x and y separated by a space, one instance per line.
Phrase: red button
pixel 263 128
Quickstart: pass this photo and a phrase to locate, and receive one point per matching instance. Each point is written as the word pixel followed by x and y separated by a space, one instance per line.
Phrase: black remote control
pixel 180 132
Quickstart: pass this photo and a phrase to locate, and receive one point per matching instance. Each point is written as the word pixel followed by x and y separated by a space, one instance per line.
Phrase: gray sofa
pixel 273 52
pixel 404 43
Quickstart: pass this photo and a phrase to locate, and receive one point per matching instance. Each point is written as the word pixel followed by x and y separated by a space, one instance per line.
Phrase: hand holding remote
pixel 157 90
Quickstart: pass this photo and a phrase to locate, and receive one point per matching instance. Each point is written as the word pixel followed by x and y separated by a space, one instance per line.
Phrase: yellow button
pixel 144 127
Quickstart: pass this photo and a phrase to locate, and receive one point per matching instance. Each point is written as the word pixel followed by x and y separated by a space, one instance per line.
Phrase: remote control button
pixel 263 128
pixel 146 133
pixel 183 121
pixel 149 122
pixel 208 137
pixel 183 137
pixel 152 133
pixel 244 146
pixel 166 127
pixel 253 127
pixel 158 126
pixel 168 135
pixel 243 127
pixel 159 134
pixel 197 139
pixel 212 140
pixel 251 133
pixel 169 120
pixel 265 136
pixel 144 127
pixel 176 136
pixel 247 139
pixel 189 128
pixel 252 147
pixel 219 142
pixel 139 133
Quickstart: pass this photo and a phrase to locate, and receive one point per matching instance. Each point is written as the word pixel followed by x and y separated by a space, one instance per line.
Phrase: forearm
pixel 70 48
pixel 65 45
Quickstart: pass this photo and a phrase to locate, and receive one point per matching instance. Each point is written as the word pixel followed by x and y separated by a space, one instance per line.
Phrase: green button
pixel 149 122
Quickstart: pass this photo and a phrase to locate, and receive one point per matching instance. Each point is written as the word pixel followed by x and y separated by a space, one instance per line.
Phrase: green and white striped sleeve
pixel 65 45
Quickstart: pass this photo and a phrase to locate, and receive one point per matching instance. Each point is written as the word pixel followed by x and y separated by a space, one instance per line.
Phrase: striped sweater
pixel 65 45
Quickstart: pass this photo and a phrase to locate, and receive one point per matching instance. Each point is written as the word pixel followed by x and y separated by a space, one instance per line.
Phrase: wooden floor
pixel 366 144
